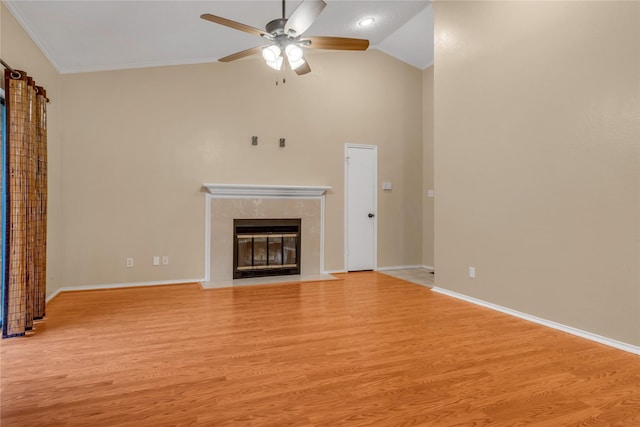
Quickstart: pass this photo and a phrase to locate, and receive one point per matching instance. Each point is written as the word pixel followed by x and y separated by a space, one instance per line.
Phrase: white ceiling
pixel 80 36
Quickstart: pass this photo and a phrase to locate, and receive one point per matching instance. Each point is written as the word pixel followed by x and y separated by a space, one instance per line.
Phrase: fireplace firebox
pixel 266 247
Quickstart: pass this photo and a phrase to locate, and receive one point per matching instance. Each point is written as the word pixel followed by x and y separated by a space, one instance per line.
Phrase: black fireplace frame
pixel 270 226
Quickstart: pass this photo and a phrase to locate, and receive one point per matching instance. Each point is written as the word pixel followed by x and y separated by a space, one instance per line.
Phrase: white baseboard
pixel 549 323
pixel 398 267
pixel 120 285
pixel 395 267
pixel 403 267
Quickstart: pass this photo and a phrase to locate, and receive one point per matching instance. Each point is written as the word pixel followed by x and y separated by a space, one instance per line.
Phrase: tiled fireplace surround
pixel 225 202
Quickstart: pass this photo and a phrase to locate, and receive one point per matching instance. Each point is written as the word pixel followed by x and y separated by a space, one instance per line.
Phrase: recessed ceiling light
pixel 366 22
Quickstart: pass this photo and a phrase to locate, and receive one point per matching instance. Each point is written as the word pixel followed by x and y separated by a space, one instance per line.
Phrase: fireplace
pixel 266 247
pixel 226 202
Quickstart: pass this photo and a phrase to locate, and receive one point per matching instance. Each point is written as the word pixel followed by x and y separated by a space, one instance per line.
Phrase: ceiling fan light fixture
pixel 277 64
pixel 294 53
pixel 271 53
pixel 294 64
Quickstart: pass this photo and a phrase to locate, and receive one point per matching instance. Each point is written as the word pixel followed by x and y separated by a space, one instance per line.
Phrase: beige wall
pixel 21 53
pixel 139 144
pixel 537 159
pixel 427 168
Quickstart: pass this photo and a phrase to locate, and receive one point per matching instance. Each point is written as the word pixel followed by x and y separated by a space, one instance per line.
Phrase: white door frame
pixel 375 203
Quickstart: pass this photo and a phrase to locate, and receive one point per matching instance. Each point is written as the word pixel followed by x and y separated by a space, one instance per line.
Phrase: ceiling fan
pixel 285 37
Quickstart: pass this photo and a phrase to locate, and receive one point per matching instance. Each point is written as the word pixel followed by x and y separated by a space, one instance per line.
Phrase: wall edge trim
pixel 544 322
pixel 399 267
pixel 120 286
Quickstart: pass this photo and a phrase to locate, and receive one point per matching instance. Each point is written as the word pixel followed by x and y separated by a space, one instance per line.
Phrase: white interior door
pixel 360 195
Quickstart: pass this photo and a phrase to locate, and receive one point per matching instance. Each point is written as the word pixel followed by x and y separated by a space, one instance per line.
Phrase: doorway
pixel 360 207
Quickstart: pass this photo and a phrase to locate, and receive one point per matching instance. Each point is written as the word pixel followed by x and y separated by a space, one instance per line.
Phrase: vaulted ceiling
pixel 80 36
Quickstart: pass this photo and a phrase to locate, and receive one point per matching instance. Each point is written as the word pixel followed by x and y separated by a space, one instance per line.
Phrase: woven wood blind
pixel 24 266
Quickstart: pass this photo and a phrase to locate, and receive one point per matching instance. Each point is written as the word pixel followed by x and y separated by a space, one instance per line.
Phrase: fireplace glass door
pixel 266 247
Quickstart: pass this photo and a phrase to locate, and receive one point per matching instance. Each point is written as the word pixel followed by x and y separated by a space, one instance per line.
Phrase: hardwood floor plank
pixel 365 350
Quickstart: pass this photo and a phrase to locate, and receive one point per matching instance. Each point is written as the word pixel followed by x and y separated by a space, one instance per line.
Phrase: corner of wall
pixel 428 163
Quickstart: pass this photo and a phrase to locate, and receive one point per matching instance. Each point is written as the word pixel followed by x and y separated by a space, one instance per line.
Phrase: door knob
pixel 371 215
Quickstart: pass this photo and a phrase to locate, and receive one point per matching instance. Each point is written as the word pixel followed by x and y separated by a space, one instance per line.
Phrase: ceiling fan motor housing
pixel 276 27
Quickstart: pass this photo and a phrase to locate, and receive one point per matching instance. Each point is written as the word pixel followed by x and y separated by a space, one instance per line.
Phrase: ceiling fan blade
pixel 232 24
pixel 302 18
pixel 303 69
pixel 241 54
pixel 336 43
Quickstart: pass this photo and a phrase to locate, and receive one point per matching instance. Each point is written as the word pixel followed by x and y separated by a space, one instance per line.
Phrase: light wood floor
pixel 367 350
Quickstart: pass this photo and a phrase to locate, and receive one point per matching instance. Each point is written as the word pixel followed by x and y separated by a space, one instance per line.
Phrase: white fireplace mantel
pixel 259 191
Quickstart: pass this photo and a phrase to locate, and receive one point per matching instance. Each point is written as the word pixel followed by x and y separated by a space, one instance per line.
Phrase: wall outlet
pixel 156 260
pixel 165 260
pixel 429 193
pixel 129 262
pixel 472 272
